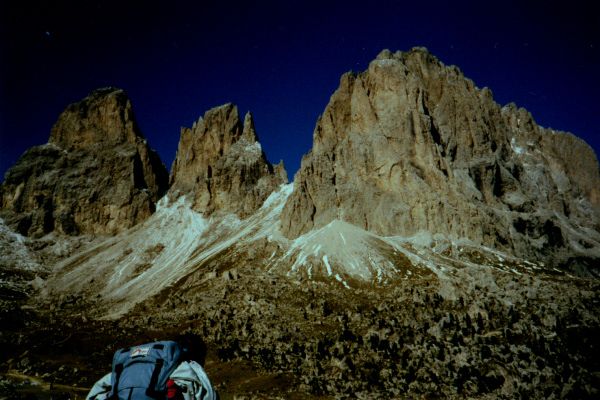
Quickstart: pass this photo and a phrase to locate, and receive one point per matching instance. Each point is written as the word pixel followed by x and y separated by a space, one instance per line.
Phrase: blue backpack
pixel 141 372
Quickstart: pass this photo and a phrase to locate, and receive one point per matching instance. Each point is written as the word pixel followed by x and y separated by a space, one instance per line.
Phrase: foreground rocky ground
pixel 504 335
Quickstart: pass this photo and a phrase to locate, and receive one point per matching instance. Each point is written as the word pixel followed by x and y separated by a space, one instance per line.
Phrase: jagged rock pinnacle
pixel 221 165
pixel 248 132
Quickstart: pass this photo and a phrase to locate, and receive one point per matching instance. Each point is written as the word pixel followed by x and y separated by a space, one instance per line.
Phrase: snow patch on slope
pixel 341 250
pixel 172 243
pixel 140 262
pixel 13 250
pixel 177 242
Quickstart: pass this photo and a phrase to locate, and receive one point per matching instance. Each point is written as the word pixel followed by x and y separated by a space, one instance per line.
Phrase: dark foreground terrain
pixel 494 335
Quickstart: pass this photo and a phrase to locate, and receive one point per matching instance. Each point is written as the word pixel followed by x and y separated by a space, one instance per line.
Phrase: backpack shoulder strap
pixel 164 366
pixel 152 391
pixel 117 370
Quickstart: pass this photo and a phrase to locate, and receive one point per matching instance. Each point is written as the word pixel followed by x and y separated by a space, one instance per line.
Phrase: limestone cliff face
pixel 221 165
pixel 95 175
pixel 411 145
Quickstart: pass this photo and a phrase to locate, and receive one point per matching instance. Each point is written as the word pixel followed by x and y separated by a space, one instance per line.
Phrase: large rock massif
pixel 95 175
pixel 221 165
pixel 414 256
pixel 410 145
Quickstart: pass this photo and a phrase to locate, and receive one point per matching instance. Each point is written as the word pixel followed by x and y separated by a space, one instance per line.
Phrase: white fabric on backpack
pixel 190 376
pixel 101 389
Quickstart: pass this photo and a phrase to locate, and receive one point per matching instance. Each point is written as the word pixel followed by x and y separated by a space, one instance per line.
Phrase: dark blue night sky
pixel 282 61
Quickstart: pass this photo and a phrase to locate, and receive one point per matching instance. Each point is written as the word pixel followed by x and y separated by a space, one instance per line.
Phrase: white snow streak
pixel 517 149
pixel 326 261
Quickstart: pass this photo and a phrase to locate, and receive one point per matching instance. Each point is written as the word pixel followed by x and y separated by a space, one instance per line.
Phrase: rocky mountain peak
pixel 104 117
pixel 418 59
pixel 411 145
pixel 417 51
pixel 220 164
pixel 96 174
pixel 248 132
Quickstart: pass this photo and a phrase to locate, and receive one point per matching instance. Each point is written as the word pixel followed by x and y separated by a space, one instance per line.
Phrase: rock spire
pixel 221 165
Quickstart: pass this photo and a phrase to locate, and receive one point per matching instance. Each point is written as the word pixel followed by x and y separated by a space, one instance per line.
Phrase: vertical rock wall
pixel 412 145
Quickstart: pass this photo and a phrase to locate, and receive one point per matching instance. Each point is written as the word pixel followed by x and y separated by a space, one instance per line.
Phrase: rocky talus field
pixel 433 244
pixel 505 336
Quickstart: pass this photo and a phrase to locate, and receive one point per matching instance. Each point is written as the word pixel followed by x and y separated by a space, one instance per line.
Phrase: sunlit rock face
pixel 96 174
pixel 411 145
pixel 221 165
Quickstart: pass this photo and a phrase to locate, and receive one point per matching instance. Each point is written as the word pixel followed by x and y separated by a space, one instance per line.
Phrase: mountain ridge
pixel 406 147
pixel 432 243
